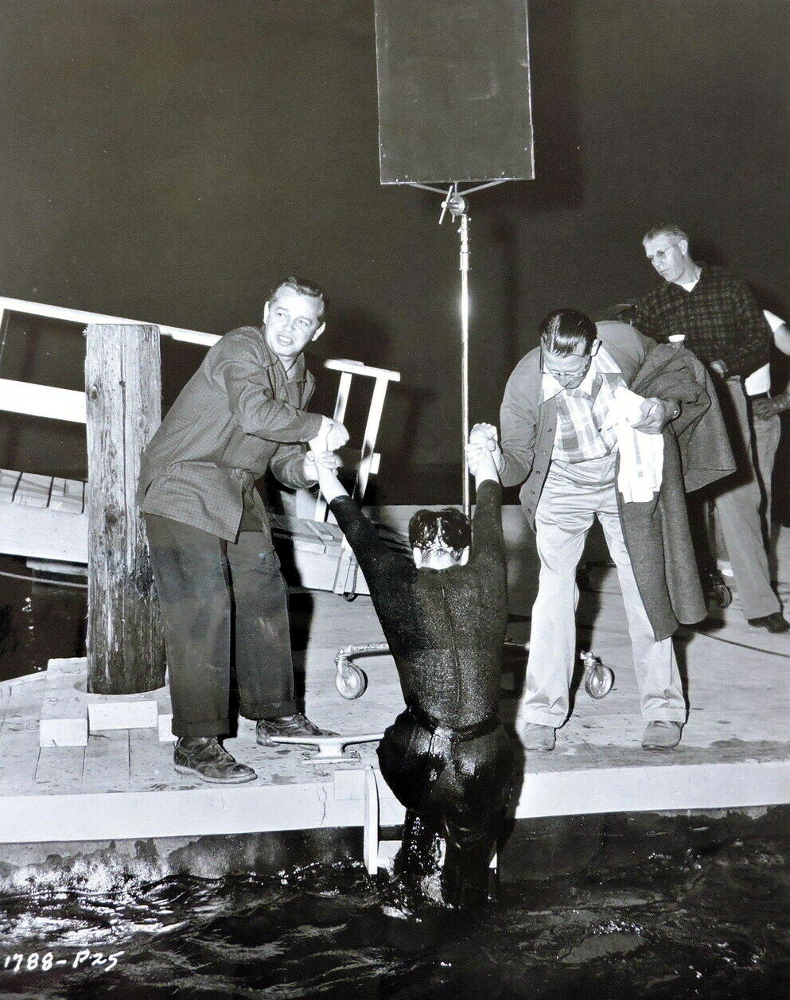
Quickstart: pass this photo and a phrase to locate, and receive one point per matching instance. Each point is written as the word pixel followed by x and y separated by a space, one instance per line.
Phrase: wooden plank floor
pixel 735 749
pixel 43 517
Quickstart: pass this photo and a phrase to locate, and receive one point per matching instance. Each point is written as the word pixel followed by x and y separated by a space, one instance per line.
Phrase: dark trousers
pixel 224 606
pixel 454 788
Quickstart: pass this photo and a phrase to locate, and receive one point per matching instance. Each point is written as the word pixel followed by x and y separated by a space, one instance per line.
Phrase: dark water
pixel 42 617
pixel 684 910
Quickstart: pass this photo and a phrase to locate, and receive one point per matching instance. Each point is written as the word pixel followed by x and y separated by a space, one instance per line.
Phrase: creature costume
pixel 447 758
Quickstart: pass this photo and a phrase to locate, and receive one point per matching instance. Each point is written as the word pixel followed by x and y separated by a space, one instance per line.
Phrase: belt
pixel 761 395
pixel 455 734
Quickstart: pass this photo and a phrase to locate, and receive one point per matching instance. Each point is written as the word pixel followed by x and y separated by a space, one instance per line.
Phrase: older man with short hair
pixel 725 328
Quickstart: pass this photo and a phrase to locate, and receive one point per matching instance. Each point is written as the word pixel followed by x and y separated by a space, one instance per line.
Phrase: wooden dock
pixel 121 786
pixel 43 517
pixel 46 518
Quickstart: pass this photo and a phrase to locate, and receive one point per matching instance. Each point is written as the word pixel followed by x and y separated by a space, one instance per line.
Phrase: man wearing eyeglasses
pixel 723 325
pixel 557 441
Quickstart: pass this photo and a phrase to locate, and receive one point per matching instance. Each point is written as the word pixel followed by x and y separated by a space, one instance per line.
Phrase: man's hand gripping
pixel 483 454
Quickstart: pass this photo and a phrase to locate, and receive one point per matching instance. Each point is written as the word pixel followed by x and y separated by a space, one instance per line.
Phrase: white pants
pixel 564 516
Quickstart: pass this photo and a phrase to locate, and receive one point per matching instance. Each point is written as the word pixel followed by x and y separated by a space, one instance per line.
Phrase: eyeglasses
pixel 569 373
pixel 661 255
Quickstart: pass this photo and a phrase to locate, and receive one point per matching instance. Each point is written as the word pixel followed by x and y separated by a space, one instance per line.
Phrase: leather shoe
pixel 287 725
pixel 533 736
pixel 208 759
pixel 775 622
pixel 661 735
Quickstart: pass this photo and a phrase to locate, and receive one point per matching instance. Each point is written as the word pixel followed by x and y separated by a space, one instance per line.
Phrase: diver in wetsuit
pixel 447 758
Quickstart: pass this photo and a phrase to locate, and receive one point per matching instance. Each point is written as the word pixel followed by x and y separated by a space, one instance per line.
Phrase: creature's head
pixel 440 538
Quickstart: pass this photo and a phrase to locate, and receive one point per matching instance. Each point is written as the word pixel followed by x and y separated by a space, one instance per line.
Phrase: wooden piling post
pixel 123 380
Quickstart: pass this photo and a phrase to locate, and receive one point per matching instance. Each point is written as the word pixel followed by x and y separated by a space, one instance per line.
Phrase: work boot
pixel 208 759
pixel 533 736
pixel 661 735
pixel 287 725
pixel 775 622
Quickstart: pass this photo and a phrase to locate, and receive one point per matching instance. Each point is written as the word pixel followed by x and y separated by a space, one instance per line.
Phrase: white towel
pixel 641 454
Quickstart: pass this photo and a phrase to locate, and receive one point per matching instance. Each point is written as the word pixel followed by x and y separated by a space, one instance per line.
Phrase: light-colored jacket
pixel 696 453
pixel 528 427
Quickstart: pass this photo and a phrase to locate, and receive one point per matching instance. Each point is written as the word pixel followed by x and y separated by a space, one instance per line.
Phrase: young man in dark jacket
pixel 223 598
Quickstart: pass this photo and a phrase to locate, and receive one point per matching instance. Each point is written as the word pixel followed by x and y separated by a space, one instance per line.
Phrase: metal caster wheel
pixel 716 590
pixel 598 678
pixel 351 681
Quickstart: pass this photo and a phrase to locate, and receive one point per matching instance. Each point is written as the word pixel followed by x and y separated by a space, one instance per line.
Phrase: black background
pixel 167 160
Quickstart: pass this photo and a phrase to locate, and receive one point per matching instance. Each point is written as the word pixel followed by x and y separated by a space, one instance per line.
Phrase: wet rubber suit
pixel 446 758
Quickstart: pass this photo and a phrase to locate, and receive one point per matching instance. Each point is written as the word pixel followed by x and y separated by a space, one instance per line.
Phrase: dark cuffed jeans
pixel 224 606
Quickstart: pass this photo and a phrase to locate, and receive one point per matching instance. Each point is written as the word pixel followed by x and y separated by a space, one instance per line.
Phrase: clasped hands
pixel 331 436
pixel 483 447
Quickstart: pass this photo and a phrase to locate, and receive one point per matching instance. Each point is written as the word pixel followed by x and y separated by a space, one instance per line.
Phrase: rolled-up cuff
pixel 208 727
pixel 268 710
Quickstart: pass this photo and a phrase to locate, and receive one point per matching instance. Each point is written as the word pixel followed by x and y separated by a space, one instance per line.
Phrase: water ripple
pixel 685 922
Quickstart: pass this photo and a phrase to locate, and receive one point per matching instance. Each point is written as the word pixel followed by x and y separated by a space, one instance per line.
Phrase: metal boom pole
pixel 464 266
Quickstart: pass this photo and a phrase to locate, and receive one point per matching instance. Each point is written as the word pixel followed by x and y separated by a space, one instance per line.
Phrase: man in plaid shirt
pixel 556 441
pixel 723 325
pixel 223 598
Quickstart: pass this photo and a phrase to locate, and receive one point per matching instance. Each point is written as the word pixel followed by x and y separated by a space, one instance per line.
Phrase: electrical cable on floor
pixel 688 628
pixel 732 642
pixel 43 579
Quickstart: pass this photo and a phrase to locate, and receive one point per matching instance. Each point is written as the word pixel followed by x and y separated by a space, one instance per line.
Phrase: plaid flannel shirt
pixel 581 412
pixel 718 317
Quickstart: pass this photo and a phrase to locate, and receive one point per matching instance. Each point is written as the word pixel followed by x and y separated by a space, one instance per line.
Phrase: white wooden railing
pixel 30 524
pixel 67 404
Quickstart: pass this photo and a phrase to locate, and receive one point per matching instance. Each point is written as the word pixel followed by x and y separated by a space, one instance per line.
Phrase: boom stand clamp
pixel 455 203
